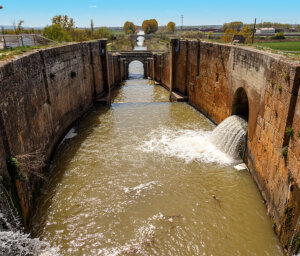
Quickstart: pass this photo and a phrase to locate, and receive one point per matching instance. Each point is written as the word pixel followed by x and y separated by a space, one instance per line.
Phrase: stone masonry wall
pixel 165 69
pixel 212 75
pixel 41 95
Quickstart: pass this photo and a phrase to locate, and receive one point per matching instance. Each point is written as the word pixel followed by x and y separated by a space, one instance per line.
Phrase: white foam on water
pixel 189 145
pixel 135 246
pixel 137 190
pixel 19 243
pixel 231 135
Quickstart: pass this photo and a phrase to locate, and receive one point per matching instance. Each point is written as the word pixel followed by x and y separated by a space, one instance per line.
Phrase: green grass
pixel 117 32
pixel 282 46
pixel 9 53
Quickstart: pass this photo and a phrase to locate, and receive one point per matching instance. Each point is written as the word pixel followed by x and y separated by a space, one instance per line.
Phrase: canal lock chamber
pixel 143 177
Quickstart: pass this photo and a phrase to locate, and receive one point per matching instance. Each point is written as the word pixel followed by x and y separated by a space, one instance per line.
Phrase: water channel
pixel 142 177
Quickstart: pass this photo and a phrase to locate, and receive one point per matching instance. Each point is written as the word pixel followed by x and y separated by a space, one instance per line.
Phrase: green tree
pixel 92 27
pixel 80 35
pixel 57 33
pixel 129 27
pixel 210 34
pixel 18 28
pixel 171 27
pixel 64 21
pixel 150 26
pixel 247 33
pixel 235 25
pixel 103 33
pixel 269 24
pixel 228 35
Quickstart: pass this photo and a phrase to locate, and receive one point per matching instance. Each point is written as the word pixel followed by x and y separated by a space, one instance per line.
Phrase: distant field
pixel 117 32
pixel 282 46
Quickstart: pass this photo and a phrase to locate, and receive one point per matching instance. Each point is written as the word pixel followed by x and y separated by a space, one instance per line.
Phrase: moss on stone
pixel 296 244
pixel 289 131
pixel 284 152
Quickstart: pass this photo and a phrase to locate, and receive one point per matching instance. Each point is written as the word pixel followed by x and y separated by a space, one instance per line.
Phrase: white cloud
pixel 93 6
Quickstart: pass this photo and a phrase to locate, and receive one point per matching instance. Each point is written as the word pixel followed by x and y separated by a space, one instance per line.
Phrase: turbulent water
pixel 13 240
pixel 230 135
pixel 144 177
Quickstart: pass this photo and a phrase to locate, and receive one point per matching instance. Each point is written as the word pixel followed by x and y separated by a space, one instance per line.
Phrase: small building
pixel 265 31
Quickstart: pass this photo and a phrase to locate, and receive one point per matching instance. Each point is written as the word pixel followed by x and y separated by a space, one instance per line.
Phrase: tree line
pixel 239 25
pixel 246 30
pixel 63 30
pixel 148 26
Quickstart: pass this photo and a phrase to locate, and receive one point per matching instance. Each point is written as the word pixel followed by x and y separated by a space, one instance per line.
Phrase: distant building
pixel 265 31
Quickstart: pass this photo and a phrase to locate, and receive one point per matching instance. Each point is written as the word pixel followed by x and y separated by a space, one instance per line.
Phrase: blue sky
pixel 115 12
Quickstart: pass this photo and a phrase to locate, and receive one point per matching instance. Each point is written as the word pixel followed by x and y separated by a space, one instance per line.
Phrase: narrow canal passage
pixel 141 178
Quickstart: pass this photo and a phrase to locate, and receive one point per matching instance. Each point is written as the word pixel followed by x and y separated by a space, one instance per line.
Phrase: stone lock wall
pixel 158 67
pixel 41 95
pixel 211 75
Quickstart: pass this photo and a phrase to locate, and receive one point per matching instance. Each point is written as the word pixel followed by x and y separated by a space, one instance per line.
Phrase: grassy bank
pixel 9 53
pixel 281 46
pixel 158 43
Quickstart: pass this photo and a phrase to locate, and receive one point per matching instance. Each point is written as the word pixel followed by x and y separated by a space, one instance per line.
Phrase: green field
pixel 281 46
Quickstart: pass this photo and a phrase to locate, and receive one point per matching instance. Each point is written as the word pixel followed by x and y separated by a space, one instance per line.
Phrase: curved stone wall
pixel 210 74
pixel 41 95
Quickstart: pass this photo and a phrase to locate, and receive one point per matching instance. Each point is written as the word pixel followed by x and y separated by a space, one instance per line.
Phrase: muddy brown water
pixel 141 178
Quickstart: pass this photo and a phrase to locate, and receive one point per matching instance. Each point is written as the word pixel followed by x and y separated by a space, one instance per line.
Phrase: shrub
pixel 284 152
pixel 289 131
pixel 193 34
pixel 79 35
pixel 246 32
pixel 228 35
pixel 102 33
pixel 57 33
pixel 14 168
pixel 286 77
pixel 210 35
pixel 279 35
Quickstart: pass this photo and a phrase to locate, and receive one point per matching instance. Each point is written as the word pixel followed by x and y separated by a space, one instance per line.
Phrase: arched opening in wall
pixel 240 107
pixel 140 41
pixel 136 70
pixel 240 104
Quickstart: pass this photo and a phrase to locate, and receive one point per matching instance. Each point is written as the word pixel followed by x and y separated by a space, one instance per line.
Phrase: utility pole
pixel 182 23
pixel 254 27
